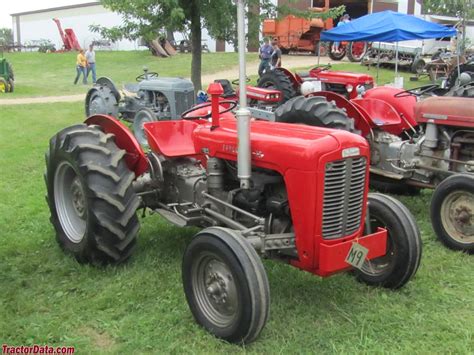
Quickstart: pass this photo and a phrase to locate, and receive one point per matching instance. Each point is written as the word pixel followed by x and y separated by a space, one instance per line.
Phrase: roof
pixel 87 4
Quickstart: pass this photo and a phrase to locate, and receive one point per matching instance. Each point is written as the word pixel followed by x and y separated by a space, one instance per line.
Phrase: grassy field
pixel 48 74
pixel 48 298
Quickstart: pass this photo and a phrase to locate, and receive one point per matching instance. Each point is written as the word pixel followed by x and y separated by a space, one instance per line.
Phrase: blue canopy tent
pixel 387 26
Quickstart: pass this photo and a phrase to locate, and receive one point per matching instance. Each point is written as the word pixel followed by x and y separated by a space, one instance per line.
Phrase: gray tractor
pixel 152 98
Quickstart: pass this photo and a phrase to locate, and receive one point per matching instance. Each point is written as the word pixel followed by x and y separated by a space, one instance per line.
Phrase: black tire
pixel 334 55
pixel 353 58
pixel 285 51
pixel 11 74
pixel 276 79
pixel 90 196
pixel 391 186
pixel 101 100
pixel 403 257
pixel 314 111
pixel 452 212
pixel 418 66
pixel 238 280
pixel 142 116
pixel 11 85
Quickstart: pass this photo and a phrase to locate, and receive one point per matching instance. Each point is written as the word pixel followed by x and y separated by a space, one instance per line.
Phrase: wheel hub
pixel 457 212
pixel 217 286
pixel 78 200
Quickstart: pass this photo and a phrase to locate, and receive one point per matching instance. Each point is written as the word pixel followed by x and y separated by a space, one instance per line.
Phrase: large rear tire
pixel 336 55
pixel 314 111
pixel 100 100
pixel 403 255
pixel 226 285
pixel 356 51
pixel 452 212
pixel 90 196
pixel 276 79
pixel 3 85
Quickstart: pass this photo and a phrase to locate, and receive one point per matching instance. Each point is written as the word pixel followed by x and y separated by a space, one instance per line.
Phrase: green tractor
pixel 6 76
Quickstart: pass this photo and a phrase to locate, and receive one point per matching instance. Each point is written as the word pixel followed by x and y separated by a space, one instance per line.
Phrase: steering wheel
pixel 148 75
pixel 237 81
pixel 322 67
pixel 418 91
pixel 232 103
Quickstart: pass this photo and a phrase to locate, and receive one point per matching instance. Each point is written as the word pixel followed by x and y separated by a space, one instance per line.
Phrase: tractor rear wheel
pixel 90 195
pixel 226 285
pixel 402 259
pixel 11 85
pixel 100 100
pixel 336 55
pixel 452 212
pixel 356 51
pixel 277 80
pixel 314 111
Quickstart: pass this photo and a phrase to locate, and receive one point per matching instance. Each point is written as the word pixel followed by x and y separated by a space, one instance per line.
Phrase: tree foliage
pixel 6 36
pixel 463 8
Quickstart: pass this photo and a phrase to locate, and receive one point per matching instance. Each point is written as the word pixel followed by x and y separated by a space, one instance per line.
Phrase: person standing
pixel 276 55
pixel 81 67
pixel 90 56
pixel 265 55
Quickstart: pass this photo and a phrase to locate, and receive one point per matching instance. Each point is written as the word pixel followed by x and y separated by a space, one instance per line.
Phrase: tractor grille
pixel 184 101
pixel 344 185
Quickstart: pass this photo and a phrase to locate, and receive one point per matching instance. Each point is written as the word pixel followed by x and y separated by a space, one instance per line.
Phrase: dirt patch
pixel 99 339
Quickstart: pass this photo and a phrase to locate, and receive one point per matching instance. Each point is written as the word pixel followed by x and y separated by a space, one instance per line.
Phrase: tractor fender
pixel 294 78
pixel 135 156
pixel 104 81
pixel 360 117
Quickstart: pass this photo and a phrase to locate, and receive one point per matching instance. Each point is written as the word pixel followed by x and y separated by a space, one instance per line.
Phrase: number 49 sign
pixel 356 256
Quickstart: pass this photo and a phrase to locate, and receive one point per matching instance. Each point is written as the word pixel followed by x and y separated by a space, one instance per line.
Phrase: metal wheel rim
pixel 382 264
pixel 3 86
pixel 138 123
pixel 70 202
pixel 457 216
pixel 215 290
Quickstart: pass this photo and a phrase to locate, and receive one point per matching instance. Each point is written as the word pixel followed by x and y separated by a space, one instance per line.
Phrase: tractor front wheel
pixel 226 285
pixel 90 196
pixel 401 261
pixel 452 212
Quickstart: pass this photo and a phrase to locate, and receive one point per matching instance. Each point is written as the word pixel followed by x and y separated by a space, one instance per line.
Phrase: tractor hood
pixel 342 77
pixel 450 111
pixel 166 84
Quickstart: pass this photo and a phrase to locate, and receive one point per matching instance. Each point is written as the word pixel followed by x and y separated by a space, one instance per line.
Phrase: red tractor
pixel 318 78
pixel 355 51
pixel 293 193
pixel 426 144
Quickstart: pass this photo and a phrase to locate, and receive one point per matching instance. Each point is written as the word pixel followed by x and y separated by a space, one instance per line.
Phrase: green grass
pixel 48 298
pixel 49 74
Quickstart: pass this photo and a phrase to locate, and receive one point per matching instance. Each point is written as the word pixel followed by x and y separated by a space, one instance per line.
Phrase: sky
pixel 12 6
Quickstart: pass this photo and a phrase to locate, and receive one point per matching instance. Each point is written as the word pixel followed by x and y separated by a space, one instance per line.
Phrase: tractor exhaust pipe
pixel 244 169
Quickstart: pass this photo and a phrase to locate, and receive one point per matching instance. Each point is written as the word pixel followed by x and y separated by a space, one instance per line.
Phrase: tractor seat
pixel 227 86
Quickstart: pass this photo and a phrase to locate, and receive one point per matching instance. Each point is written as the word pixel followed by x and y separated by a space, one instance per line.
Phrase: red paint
pixel 381 115
pixel 446 111
pixel 215 90
pixel 342 78
pixel 124 139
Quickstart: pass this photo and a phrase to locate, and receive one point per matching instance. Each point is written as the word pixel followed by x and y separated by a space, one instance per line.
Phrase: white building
pixel 39 24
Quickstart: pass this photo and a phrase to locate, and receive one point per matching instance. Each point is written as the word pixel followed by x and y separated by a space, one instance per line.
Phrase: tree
pixel 147 18
pixel 6 36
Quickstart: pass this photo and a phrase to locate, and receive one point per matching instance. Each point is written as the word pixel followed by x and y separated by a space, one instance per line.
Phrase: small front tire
pixel 226 286
pixel 402 259
pixel 452 212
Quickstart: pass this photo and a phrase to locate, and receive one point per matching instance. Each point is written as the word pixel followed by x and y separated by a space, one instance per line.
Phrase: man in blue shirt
pixel 265 55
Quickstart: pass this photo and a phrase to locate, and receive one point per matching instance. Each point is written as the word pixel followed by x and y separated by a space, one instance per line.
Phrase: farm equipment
pixel 318 78
pixel 7 78
pixel 355 51
pixel 426 144
pixel 156 98
pixel 292 193
pixel 68 37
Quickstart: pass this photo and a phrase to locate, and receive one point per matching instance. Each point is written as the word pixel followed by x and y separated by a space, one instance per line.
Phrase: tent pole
pixel 396 60
pixel 319 50
pixel 378 63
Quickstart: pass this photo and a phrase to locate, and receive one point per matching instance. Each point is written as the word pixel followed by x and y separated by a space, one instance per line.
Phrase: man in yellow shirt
pixel 81 67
